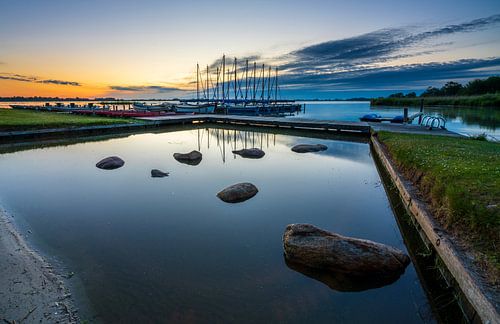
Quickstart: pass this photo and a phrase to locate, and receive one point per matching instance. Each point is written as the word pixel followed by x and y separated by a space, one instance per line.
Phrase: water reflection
pixel 343 281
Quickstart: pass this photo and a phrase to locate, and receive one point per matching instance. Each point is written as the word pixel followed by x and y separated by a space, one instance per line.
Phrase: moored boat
pixel 207 108
pixel 165 106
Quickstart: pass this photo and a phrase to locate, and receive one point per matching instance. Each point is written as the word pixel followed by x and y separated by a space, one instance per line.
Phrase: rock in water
pixel 191 158
pixel 155 173
pixel 315 248
pixel 238 192
pixel 306 148
pixel 253 153
pixel 110 163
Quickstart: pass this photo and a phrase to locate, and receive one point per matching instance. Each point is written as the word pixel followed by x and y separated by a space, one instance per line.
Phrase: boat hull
pixel 202 109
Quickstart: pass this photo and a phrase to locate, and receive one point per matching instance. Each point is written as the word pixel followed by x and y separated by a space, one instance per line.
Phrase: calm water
pixel 168 250
pixel 461 120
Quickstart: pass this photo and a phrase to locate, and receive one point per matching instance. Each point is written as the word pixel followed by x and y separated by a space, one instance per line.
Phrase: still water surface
pixel 465 120
pixel 168 250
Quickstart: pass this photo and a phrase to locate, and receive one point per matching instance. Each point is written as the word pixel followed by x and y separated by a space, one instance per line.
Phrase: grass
pixel 487 100
pixel 461 180
pixel 18 120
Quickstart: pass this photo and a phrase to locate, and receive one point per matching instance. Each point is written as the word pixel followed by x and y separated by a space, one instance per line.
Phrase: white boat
pixel 161 107
pixel 195 108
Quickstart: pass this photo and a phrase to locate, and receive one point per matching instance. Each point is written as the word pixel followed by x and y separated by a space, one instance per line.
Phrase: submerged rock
pixel 315 248
pixel 306 148
pixel 252 153
pixel 238 192
pixel 155 173
pixel 191 158
pixel 110 163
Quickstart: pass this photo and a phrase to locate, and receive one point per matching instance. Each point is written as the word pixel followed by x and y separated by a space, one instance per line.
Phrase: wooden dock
pixel 356 127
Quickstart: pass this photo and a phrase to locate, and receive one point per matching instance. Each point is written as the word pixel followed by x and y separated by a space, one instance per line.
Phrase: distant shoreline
pixel 483 101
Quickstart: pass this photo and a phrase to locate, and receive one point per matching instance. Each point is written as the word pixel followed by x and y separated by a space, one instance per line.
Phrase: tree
pixel 431 92
pixel 397 95
pixel 411 95
pixel 451 88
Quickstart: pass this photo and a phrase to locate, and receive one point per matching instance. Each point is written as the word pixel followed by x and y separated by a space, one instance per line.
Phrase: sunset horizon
pixel 323 50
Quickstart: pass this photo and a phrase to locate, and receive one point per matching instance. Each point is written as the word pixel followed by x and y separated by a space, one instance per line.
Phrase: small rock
pixel 155 173
pixel 306 148
pixel 252 153
pixel 110 163
pixel 238 192
pixel 315 248
pixel 191 158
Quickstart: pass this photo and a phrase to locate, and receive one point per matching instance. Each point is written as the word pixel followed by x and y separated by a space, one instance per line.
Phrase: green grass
pixel 17 120
pixel 487 100
pixel 461 179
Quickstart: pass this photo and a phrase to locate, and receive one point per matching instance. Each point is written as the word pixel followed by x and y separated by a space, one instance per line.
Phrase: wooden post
pixel 421 110
pixel 405 115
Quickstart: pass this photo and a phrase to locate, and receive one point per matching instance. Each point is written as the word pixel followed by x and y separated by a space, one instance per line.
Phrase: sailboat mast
pixel 254 75
pixel 276 87
pixel 263 83
pixel 217 86
pixel 223 76
pixel 235 85
pixel 246 82
pixel 208 93
pixel 269 84
pixel 197 82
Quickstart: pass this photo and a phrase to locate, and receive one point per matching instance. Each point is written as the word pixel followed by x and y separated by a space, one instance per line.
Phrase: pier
pixel 357 127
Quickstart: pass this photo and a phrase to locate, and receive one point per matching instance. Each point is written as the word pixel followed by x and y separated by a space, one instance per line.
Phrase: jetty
pixel 356 127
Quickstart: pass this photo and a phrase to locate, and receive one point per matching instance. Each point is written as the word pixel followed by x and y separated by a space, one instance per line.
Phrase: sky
pixel 323 48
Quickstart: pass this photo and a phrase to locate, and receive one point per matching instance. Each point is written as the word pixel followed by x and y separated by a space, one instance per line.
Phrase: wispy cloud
pixel 150 88
pixel 375 47
pixel 33 79
pixel 411 75
pixel 374 60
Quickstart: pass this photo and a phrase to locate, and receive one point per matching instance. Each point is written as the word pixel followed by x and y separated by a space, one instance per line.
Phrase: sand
pixel 30 290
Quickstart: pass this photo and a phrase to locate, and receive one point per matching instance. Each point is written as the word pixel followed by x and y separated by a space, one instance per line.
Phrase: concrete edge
pixel 467 280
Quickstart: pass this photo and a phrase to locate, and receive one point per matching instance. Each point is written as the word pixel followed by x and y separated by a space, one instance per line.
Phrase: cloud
pixel 71 83
pixel 33 79
pixel 375 47
pixel 411 75
pixel 370 60
pixel 149 89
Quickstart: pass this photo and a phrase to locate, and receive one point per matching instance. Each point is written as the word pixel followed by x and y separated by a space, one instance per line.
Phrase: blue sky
pixel 325 49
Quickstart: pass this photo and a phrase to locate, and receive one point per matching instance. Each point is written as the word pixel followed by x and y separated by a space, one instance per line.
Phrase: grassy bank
pixel 17 120
pixel 460 178
pixel 487 100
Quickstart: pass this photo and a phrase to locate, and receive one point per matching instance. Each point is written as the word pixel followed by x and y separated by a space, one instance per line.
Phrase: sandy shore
pixel 30 290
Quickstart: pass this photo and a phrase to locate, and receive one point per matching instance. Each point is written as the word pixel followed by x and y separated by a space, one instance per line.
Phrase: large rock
pixel 110 163
pixel 252 153
pixel 155 173
pixel 238 192
pixel 306 148
pixel 315 248
pixel 191 158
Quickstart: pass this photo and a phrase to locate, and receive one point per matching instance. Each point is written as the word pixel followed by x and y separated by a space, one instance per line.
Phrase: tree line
pixel 476 87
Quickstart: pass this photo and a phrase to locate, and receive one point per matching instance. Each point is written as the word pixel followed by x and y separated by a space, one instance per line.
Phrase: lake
pixel 168 250
pixel 465 120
